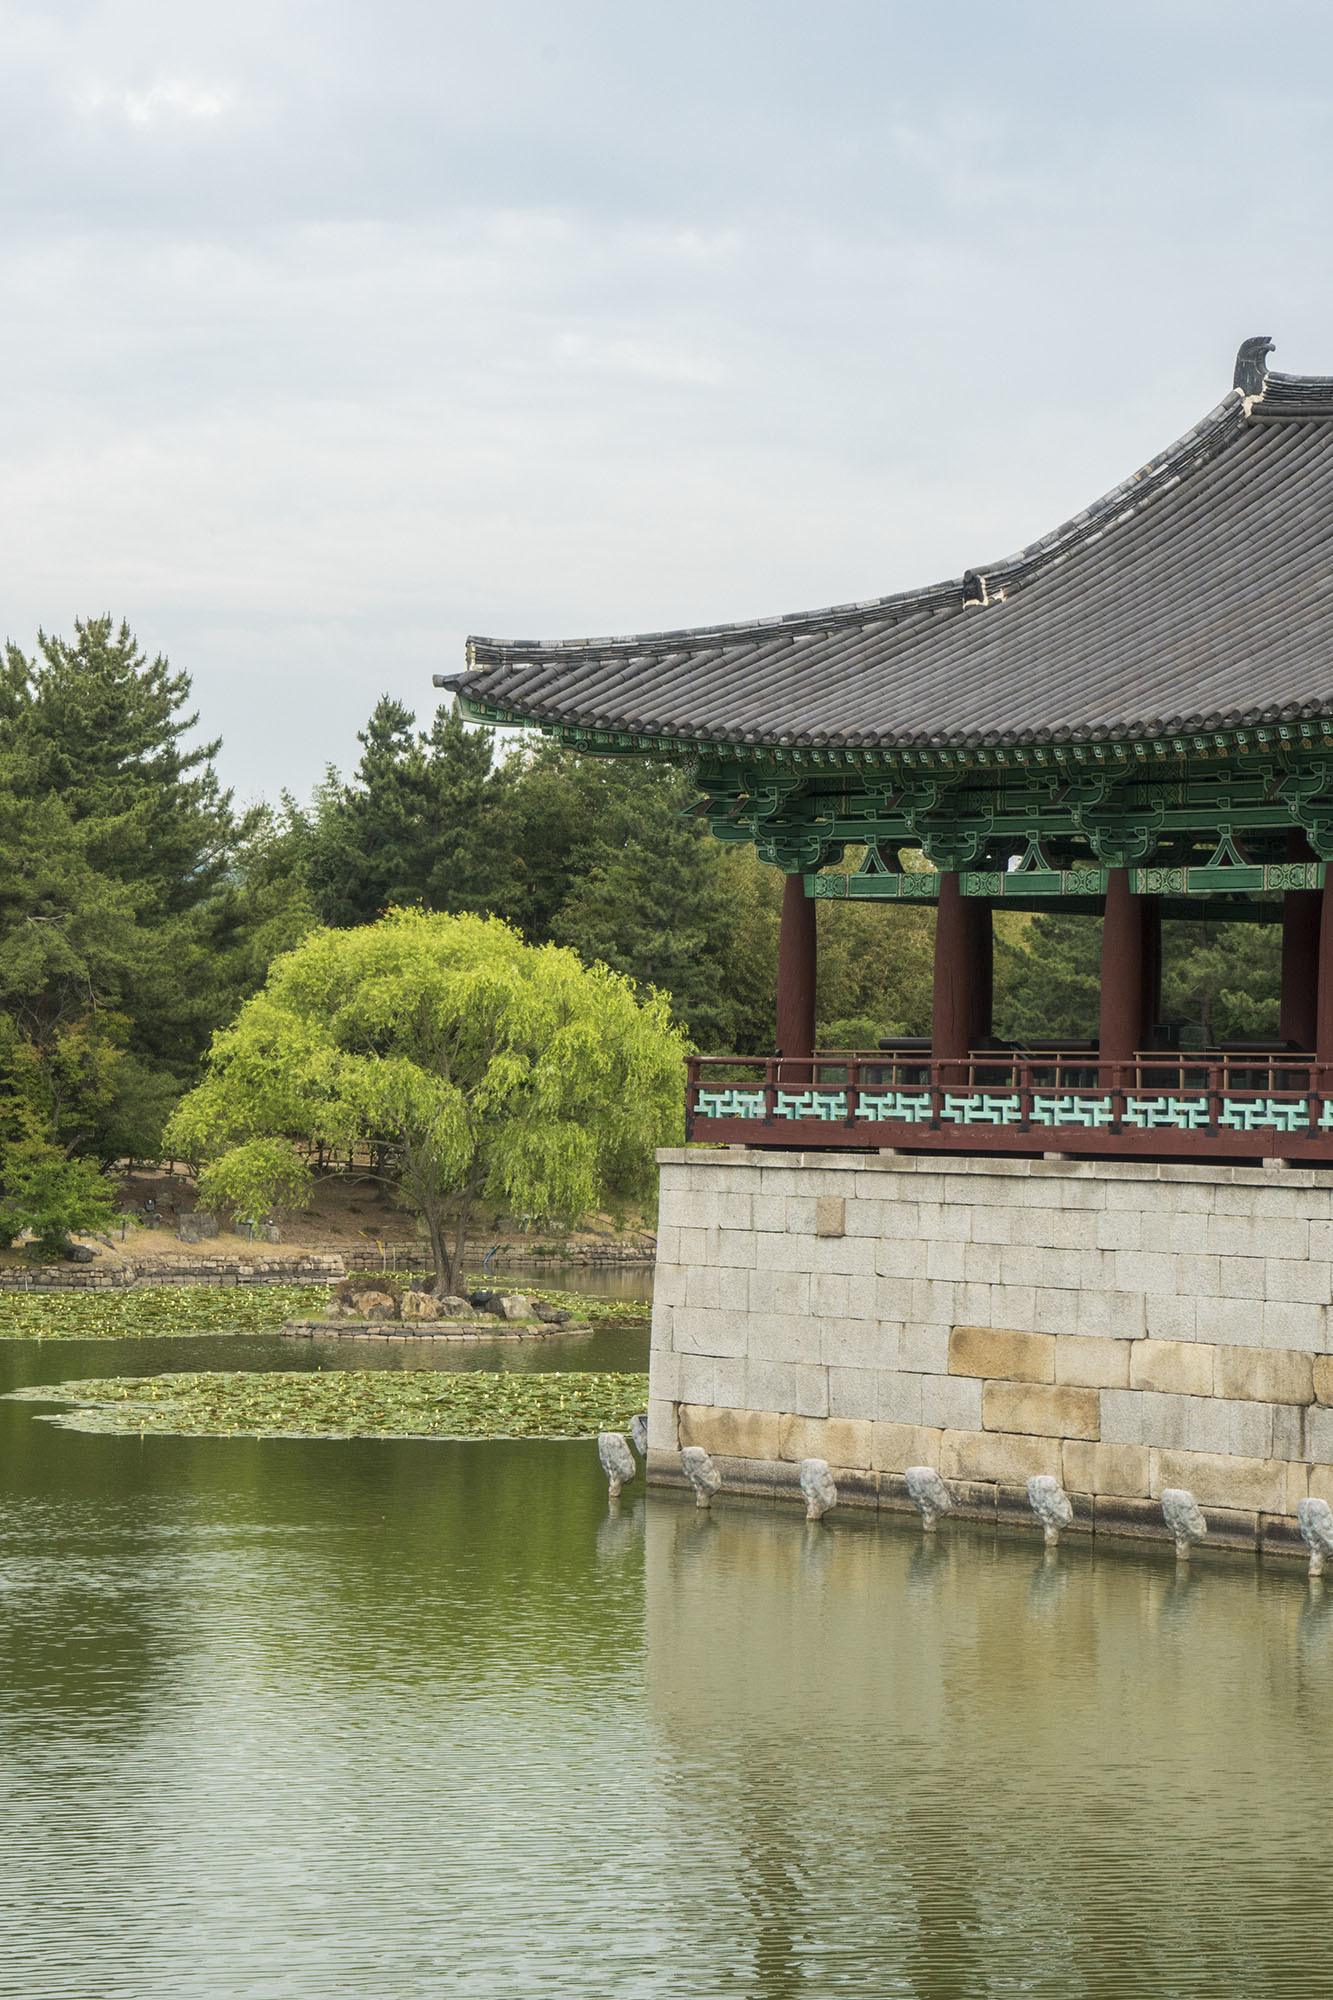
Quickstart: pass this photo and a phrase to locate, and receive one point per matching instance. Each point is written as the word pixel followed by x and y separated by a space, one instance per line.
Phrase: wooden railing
pixel 1237 1103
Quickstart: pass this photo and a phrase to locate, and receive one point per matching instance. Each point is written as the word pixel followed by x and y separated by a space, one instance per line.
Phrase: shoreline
pixel 438 1329
pixel 305 1268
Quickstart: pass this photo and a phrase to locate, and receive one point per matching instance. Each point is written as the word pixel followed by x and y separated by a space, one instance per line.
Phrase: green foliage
pixel 1220 979
pixel 1223 978
pixel 856 1031
pixel 657 910
pixel 876 964
pixel 139 910
pixel 105 729
pixel 587 1305
pixel 370 1402
pixel 258 1175
pixel 421 823
pixel 1048 987
pixel 746 955
pixel 136 911
pixel 261 907
pixel 51 1195
pixel 598 853
pixel 156 1311
pixel 471 1064
pixel 148 1312
pixel 606 857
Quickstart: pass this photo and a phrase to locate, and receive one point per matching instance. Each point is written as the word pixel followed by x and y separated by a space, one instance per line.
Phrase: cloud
pixel 642 360
pixel 333 334
pixel 167 101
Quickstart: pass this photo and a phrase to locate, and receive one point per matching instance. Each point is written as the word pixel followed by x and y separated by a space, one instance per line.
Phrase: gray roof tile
pixel 1196 595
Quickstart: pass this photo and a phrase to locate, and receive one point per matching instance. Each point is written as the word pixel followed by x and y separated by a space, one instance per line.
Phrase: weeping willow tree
pixel 471 1065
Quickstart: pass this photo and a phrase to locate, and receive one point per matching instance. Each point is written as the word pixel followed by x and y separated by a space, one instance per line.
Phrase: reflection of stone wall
pixel 946 1766
pixel 1124 1327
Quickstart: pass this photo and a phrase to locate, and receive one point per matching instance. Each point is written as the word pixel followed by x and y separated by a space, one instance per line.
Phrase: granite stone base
pixel 1121 1327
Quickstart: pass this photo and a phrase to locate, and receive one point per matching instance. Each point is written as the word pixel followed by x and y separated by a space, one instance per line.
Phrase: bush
pixel 856 1031
pixel 52 1196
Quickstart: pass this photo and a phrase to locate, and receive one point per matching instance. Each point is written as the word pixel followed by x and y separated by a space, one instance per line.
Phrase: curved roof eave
pixel 1146 591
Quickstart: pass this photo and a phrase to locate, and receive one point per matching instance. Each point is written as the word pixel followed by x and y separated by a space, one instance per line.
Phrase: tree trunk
pixel 439 1251
pixel 460 1233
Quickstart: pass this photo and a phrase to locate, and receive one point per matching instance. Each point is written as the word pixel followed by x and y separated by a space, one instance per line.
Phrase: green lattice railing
pixel 1235 1103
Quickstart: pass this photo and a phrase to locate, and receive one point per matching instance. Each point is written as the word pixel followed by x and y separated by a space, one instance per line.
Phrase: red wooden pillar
pixel 1300 956
pixel 796 971
pixel 1323 1035
pixel 961 1010
pixel 1125 985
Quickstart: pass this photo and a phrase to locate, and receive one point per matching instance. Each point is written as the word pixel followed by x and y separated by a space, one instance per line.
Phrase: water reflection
pixel 959 1768
pixel 389 1719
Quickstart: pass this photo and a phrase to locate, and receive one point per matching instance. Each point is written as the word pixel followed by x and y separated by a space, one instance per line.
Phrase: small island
pixel 379 1304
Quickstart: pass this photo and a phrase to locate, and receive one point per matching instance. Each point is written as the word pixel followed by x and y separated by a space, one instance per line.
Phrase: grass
pixel 357 1403
pixel 155 1311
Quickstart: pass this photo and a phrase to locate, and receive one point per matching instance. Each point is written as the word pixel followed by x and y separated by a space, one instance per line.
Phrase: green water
pixel 300 1720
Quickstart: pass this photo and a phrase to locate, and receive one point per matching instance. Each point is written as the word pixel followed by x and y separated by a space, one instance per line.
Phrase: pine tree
pixel 421 822
pixel 1048 985
pixel 130 923
pixel 656 910
pixel 105 729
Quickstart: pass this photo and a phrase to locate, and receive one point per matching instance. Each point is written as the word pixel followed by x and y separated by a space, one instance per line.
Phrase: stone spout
pixel 1051 1505
pixel 1184 1517
pixel 821 1495
pixel 617 1461
pixel 929 1493
pixel 1316 1523
pixel 701 1473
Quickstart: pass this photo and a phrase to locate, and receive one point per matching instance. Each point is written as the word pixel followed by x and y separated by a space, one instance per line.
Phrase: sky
pixel 334 332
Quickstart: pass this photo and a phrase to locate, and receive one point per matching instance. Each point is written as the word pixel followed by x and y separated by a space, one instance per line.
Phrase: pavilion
pixel 1131 717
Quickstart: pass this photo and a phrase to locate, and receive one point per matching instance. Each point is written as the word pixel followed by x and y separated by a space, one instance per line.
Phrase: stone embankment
pixel 453 1329
pixel 119 1277
pixel 577 1253
pixel 1125 1329
pixel 298 1267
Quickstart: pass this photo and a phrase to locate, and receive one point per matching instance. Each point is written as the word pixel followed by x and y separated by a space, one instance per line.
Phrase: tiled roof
pixel 1198 595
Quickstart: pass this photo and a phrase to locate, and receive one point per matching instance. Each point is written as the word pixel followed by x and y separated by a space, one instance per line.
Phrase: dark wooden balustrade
pixel 1235 1103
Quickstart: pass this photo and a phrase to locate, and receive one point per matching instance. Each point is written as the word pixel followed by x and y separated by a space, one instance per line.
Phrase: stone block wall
pixel 1124 1327
pixel 305 1270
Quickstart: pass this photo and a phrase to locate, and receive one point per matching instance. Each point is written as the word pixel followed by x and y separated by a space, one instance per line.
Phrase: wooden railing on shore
pixel 1235 1103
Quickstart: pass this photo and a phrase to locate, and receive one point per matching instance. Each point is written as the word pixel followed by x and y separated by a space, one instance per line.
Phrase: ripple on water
pixel 287 1719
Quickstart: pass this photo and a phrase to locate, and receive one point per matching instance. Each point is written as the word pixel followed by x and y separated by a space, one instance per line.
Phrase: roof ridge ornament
pixel 1251 376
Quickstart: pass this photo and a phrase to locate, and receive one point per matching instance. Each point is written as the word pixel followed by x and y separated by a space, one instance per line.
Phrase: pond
pixel 301 1719
pixel 595 1281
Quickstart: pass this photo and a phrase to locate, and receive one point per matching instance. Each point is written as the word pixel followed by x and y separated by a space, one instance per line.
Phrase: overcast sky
pixel 331 333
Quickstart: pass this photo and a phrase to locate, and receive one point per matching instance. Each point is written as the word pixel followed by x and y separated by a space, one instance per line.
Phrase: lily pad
pixel 350 1403
pixel 161 1311
pixel 151 1311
